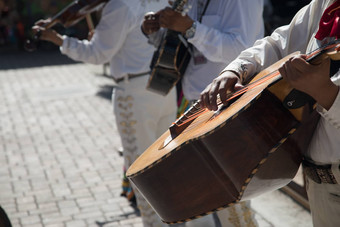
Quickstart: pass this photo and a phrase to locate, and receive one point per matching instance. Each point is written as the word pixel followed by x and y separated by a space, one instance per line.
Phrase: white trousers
pixel 238 215
pixel 324 201
pixel 141 117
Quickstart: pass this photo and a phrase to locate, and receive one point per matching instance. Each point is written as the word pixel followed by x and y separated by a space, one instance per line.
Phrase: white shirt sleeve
pixel 283 41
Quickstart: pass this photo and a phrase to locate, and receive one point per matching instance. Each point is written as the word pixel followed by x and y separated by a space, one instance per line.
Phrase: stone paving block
pixel 69 211
pixel 33 225
pixel 26 207
pixel 75 223
pixel 15 216
pixel 30 220
pixel 88 214
pixel 24 200
pixel 66 204
pixel 85 202
pixel 54 218
pixel 10 207
pixel 16 222
pixel 21 186
pixel 55 225
pixel 45 208
pixel 80 193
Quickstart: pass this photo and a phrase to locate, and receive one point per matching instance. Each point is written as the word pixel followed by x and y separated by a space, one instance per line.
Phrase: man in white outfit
pixel 314 26
pixel 141 116
pixel 217 30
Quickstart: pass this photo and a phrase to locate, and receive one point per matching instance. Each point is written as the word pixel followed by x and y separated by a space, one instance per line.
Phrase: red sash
pixel 329 25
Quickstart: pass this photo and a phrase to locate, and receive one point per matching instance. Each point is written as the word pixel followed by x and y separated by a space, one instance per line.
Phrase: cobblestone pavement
pixel 59 165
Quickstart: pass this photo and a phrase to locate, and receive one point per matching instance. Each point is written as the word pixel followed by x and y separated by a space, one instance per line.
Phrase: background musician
pixel 141 116
pixel 217 31
pixel 312 27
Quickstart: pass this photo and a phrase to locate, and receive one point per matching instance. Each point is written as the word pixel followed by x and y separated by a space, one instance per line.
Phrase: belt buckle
pixel 336 172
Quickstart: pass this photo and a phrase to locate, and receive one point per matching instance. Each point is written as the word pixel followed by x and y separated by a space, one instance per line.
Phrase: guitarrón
pixel 209 160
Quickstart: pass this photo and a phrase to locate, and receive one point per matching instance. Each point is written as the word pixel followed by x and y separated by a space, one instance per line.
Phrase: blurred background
pixel 18 16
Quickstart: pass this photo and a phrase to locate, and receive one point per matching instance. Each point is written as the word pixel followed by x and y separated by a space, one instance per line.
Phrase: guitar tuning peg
pixel 186 10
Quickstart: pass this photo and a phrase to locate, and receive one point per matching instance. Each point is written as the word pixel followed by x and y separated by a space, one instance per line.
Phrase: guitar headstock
pixel 178 5
pixel 330 50
pixel 334 52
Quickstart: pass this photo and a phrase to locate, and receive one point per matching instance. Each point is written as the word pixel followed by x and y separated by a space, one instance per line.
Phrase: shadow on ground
pixel 11 58
pixel 135 213
pixel 17 59
pixel 105 91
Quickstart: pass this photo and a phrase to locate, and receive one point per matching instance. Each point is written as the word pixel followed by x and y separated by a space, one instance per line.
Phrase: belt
pixel 130 76
pixel 320 173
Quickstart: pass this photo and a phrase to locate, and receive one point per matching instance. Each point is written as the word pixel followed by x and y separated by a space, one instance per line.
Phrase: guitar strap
pixel 203 12
pixel 296 99
pixel 198 57
pixel 334 68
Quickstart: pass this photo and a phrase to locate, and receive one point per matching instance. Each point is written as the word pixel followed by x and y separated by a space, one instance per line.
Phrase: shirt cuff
pixel 65 45
pixel 333 114
pixel 237 67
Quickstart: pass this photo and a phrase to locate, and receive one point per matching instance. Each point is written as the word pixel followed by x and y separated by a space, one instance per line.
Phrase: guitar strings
pixel 232 96
pixel 246 88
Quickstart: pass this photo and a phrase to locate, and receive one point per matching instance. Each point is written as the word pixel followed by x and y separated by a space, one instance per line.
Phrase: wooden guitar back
pixel 240 160
pixel 221 157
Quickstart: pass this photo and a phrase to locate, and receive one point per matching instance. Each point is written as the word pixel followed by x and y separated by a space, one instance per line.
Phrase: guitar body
pixel 169 61
pixel 208 160
pixel 225 156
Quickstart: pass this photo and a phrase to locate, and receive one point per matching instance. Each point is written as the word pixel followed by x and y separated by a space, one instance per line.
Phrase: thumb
pixel 238 86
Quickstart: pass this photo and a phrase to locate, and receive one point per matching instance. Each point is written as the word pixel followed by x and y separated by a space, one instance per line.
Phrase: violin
pixel 69 16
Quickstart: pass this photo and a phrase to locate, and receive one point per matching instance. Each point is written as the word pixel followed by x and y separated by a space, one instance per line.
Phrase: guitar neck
pixel 184 121
pixel 178 6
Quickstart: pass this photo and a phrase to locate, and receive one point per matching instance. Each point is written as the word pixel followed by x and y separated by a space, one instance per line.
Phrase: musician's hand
pixel 168 18
pixel 48 35
pixel 226 82
pixel 42 22
pixel 311 79
pixel 150 23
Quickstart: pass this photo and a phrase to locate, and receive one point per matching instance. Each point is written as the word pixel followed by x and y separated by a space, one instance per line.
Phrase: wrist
pixel 144 33
pixel 327 97
pixel 190 31
pixel 233 72
pixel 58 40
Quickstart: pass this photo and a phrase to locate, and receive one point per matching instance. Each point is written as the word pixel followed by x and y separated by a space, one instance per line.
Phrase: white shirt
pixel 227 28
pixel 325 144
pixel 117 39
